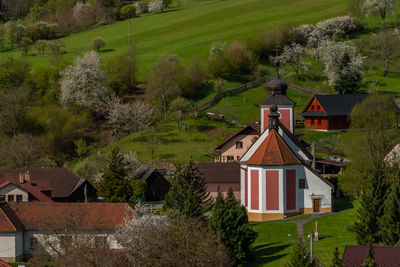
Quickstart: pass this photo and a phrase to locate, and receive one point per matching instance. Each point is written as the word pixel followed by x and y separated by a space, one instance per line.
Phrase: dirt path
pixel 300 223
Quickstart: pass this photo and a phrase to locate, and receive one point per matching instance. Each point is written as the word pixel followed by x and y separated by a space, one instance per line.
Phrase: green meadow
pixel 188 30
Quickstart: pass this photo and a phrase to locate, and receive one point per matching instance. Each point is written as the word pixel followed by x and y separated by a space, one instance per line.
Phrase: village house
pixel 25 227
pixel 45 185
pixel 222 176
pixel 330 112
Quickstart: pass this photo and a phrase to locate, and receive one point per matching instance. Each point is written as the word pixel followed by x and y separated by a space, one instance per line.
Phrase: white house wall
pixel 11 245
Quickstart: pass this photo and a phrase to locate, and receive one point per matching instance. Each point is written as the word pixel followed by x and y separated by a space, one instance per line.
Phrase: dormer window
pixel 318 107
pixel 312 107
pixel 239 145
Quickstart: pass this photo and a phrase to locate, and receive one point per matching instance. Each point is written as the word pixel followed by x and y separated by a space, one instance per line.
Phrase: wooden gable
pixel 314 106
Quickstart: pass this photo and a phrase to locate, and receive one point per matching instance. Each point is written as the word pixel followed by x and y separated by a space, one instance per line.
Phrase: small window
pixel 19 198
pixel 239 145
pixel 312 107
pixel 318 107
pixel 319 121
pixel 230 158
pixel 33 243
pixel 10 198
pixel 302 183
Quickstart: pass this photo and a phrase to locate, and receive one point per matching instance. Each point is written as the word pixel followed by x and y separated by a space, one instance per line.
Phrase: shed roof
pixel 384 256
pixel 335 105
pixel 217 172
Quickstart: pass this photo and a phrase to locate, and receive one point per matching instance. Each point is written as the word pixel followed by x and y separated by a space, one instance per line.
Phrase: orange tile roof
pixel 85 216
pixel 273 152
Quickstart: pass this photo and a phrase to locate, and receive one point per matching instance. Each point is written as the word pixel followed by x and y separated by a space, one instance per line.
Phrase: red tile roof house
pixel 354 256
pixel 45 185
pixel 24 225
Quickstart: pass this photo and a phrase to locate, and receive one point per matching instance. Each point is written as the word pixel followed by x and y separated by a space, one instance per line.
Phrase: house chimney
pixel 21 178
pixel 27 176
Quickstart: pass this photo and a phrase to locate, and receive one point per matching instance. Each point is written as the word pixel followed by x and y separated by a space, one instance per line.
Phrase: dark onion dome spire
pixel 279 87
pixel 273 115
pixel 276 84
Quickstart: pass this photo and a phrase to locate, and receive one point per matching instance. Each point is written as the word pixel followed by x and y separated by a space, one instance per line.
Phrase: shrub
pixel 194 78
pixel 25 44
pixel 265 44
pixel 41 46
pixel 156 6
pixel 220 85
pixel 98 43
pixel 142 7
pixel 122 73
pixel 128 11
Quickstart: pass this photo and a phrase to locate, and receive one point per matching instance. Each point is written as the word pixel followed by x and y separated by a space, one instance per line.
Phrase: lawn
pixel 189 30
pixel 273 243
pixel 332 232
pixel 245 107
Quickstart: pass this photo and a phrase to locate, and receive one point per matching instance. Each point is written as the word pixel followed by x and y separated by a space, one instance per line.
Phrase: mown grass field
pixel 189 30
pixel 276 239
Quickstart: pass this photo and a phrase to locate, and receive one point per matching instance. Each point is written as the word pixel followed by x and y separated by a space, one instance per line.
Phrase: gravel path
pixel 300 223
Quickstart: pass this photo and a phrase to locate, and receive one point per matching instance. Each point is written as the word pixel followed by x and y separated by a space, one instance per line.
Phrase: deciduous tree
pixel 84 84
pixel 386 47
pixel 293 55
pixel 380 7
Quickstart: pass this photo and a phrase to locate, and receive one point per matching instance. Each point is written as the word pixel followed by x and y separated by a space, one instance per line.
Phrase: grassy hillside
pixel 189 30
pixel 245 108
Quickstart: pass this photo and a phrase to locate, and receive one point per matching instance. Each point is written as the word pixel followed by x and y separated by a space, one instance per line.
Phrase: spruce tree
pixel 230 222
pixel 336 262
pixel 300 257
pixel 390 226
pixel 188 193
pixel 370 258
pixel 114 187
pixel 370 212
pixel 348 81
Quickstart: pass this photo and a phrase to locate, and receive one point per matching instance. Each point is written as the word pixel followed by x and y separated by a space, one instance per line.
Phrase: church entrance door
pixel 316 204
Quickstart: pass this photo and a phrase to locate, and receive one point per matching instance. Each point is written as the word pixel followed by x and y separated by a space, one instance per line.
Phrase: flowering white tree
pixel 293 55
pixel 380 7
pixel 332 54
pixel 124 119
pixel 84 84
pixel 156 6
pixel 304 31
pixel 326 29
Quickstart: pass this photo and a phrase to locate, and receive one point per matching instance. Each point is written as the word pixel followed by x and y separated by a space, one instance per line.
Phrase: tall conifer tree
pixel 300 257
pixel 229 220
pixel 390 226
pixel 114 187
pixel 370 212
pixel 188 193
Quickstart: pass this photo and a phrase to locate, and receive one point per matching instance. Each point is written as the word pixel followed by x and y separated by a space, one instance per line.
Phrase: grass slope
pixel 245 108
pixel 189 30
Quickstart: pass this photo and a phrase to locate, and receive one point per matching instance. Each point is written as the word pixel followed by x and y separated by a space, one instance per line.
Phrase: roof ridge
pixel 11 216
pixel 279 147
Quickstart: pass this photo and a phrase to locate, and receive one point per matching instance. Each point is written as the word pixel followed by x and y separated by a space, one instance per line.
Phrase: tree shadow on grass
pixel 340 204
pixel 266 253
pixel 106 50
pixel 324 237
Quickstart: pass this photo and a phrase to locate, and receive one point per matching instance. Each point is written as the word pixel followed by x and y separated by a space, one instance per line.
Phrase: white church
pixel 276 178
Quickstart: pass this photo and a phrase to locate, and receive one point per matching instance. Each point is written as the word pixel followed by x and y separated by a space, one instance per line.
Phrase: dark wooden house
pixel 330 112
pixel 157 185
